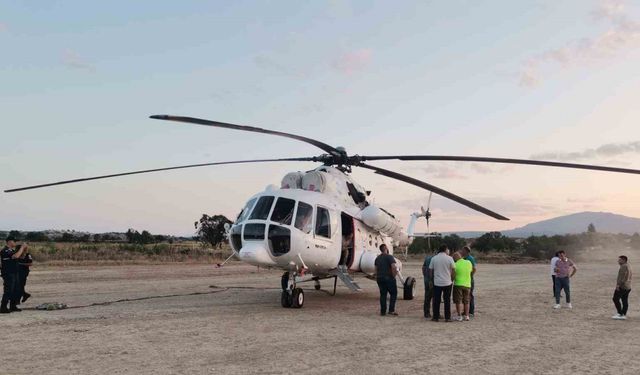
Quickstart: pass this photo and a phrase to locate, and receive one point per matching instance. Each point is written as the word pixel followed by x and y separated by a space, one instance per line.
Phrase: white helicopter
pixel 318 224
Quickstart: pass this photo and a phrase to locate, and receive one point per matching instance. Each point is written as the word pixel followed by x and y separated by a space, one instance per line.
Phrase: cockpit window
pixel 245 211
pixel 261 211
pixel 323 223
pixel 304 217
pixel 283 212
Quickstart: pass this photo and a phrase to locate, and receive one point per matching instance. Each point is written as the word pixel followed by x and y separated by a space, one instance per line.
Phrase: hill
pixel 570 224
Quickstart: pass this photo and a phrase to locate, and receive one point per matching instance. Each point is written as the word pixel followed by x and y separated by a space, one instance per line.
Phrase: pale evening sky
pixel 528 79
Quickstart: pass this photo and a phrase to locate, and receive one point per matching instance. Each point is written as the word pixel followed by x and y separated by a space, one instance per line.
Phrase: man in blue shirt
pixel 428 286
pixel 466 254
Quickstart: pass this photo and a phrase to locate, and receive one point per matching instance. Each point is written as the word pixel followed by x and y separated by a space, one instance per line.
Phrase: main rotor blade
pixel 153 170
pixel 434 189
pixel 192 120
pixel 501 160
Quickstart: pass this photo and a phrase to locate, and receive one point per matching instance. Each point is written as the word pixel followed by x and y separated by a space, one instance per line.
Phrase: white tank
pixel 381 221
pixel 368 262
pixel 292 180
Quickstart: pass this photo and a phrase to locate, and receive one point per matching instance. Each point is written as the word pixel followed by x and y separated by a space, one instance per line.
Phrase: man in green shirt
pixel 462 286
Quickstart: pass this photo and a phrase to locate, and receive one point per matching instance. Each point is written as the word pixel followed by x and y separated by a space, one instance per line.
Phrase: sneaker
pixel 466 318
pixel 434 319
pixel 556 306
pixel 4 310
pixel 15 309
pixel 393 313
pixel 616 316
pixel 447 320
pixel 458 318
pixel 428 316
pixel 25 297
pixel 569 306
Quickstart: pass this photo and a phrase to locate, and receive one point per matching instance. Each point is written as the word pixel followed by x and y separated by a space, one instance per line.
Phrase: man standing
pixel 466 254
pixel 623 287
pixel 23 272
pixel 10 280
pixel 565 269
pixel 554 260
pixel 428 286
pixel 462 286
pixel 386 270
pixel 443 269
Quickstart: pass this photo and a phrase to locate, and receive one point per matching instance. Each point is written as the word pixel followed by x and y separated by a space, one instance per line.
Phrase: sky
pixel 529 79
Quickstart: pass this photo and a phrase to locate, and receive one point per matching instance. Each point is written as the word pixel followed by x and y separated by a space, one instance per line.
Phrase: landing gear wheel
pixel 317 285
pixel 284 281
pixel 409 288
pixel 298 298
pixel 285 299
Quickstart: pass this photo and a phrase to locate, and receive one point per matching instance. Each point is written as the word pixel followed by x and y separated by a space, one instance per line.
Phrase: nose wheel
pixel 291 295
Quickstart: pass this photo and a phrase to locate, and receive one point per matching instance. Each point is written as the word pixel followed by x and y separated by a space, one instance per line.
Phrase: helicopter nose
pixel 256 253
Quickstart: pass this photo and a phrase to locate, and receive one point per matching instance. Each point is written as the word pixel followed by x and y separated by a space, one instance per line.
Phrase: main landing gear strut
pixel 291 296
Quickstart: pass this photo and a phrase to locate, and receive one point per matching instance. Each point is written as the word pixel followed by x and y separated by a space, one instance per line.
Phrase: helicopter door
pixel 346 256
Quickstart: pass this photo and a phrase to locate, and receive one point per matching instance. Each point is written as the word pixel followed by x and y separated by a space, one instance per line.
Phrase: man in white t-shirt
pixel 443 269
pixel 554 260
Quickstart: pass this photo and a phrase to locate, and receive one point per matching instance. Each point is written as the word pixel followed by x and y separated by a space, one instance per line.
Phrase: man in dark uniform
pixel 23 272
pixel 10 256
pixel 428 286
pixel 386 270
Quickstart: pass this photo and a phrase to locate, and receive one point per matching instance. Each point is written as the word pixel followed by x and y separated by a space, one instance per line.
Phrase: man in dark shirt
pixel 386 270
pixel 23 272
pixel 10 256
pixel 428 286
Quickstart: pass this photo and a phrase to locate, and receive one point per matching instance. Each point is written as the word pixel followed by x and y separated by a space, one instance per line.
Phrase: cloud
pixel 353 61
pixel 445 172
pixel 456 170
pixel 271 64
pixel 622 33
pixel 71 59
pixel 607 150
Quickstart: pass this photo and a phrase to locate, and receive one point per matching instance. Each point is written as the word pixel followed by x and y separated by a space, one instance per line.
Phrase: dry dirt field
pixel 176 323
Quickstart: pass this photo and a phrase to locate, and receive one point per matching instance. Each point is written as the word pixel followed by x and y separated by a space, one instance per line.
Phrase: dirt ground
pixel 176 323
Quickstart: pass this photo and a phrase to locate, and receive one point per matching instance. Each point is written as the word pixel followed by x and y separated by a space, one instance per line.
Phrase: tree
pixel 591 228
pixel 494 241
pixel 36 237
pixel 67 237
pixel 210 229
pixel 15 234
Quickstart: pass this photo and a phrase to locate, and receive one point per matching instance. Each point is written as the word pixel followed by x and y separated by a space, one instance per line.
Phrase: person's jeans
pixel 563 283
pixel 387 285
pixel 621 295
pixel 428 296
pixel 438 291
pixel 553 285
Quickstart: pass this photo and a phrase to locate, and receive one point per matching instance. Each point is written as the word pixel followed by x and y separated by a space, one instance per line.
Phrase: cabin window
pixel 323 223
pixel 245 211
pixel 279 240
pixel 261 211
pixel 304 216
pixel 283 211
pixel 236 240
pixel 254 231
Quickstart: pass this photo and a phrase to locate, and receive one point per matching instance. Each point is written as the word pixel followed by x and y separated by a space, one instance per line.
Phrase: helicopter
pixel 319 224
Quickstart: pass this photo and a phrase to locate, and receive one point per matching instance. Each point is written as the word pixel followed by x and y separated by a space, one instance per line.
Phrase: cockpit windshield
pixel 261 211
pixel 245 211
